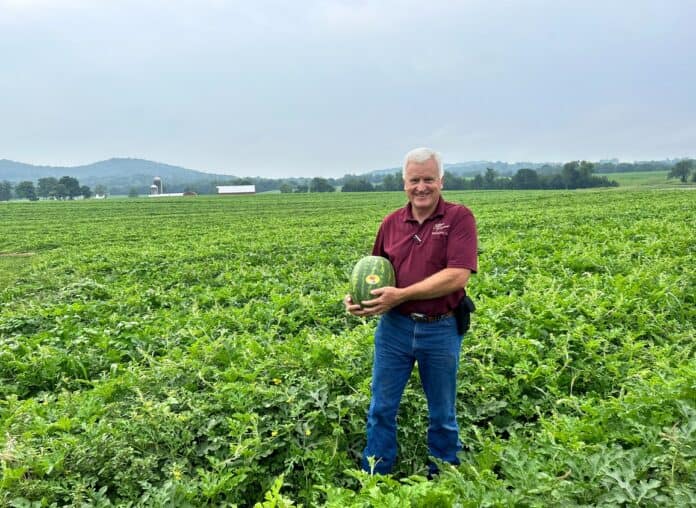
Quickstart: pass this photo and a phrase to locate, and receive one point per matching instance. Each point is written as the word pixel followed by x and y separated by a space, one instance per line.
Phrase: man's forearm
pixel 444 282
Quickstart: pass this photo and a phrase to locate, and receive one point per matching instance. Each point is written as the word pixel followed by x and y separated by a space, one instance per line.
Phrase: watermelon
pixel 371 272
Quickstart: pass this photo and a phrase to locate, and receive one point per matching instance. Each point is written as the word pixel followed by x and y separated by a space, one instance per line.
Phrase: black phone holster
pixel 463 314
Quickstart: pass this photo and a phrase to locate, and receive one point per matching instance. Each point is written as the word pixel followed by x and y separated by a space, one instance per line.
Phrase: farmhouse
pixel 229 190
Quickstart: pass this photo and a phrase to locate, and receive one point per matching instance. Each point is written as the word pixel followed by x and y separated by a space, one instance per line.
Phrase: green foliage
pixel 354 184
pixel 46 187
pixel 68 187
pixel 196 353
pixel 392 182
pixel 573 175
pixel 682 169
pixel 5 190
pixel 49 187
pixel 12 266
pixel 26 190
pixel 321 185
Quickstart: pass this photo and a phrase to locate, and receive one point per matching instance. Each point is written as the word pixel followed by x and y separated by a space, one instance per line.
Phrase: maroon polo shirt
pixel 446 239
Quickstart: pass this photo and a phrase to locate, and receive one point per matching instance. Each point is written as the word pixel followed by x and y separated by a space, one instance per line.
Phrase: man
pixel 432 245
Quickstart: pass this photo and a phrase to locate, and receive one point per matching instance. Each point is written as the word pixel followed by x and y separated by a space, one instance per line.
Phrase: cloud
pixel 220 84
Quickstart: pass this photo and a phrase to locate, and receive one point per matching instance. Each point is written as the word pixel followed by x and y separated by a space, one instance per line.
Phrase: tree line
pixel 573 175
pixel 66 187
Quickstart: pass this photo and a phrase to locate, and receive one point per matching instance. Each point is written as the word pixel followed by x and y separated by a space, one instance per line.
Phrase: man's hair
pixel 420 155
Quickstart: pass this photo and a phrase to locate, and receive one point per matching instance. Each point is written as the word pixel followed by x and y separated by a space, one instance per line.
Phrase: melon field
pixel 195 352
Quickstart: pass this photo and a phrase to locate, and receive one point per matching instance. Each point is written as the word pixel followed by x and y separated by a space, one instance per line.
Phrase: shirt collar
pixel 438 212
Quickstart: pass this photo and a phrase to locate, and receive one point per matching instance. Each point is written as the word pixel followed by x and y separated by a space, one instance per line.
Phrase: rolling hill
pixel 117 174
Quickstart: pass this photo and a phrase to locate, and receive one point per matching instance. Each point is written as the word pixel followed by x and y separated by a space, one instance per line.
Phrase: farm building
pixel 167 195
pixel 228 190
pixel 157 190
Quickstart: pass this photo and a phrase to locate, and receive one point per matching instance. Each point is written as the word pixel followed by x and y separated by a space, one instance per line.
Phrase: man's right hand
pixel 373 309
pixel 354 308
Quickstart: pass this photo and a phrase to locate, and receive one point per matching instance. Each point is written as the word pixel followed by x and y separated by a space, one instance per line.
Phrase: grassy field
pixel 643 178
pixel 11 267
pixel 195 352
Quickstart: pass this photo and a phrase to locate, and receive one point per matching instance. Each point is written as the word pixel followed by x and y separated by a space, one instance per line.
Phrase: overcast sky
pixel 329 87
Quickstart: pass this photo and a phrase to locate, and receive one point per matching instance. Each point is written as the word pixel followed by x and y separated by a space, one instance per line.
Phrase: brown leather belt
pixel 424 318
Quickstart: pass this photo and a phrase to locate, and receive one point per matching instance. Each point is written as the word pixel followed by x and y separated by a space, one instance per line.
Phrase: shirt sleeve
pixel 462 244
pixel 378 247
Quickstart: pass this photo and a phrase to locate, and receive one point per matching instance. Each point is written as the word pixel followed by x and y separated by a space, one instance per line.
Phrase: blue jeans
pixel 399 342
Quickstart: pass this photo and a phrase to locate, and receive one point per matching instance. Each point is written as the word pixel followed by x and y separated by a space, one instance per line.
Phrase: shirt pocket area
pixel 435 253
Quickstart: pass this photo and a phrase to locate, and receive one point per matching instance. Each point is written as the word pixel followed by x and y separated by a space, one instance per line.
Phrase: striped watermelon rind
pixel 371 272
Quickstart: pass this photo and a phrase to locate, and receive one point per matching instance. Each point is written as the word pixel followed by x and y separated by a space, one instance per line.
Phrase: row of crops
pixel 195 352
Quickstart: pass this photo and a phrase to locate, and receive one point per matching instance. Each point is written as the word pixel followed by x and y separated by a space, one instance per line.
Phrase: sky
pixel 334 87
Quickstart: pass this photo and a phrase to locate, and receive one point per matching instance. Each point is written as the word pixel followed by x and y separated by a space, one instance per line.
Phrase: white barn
pixel 235 189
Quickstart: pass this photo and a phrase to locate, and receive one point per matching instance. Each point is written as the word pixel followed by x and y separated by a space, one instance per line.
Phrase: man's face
pixel 422 185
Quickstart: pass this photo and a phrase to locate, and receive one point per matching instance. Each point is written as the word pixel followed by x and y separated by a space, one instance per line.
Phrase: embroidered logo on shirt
pixel 441 229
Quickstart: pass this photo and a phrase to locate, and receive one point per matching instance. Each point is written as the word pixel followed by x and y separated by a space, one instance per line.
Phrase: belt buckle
pixel 417 316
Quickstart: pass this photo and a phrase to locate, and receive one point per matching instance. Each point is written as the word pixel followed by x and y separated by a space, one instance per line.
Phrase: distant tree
pixel 100 190
pixel 547 169
pixel 86 192
pixel 133 192
pixel 553 182
pixel 46 187
pixel 357 185
pixel 285 188
pixel 477 182
pixel 72 186
pixel 525 179
pixel 489 177
pixel 454 182
pixel 5 190
pixel 301 188
pixel 570 174
pixel 321 185
pixel 26 190
pixel 504 182
pixel 586 168
pixel 576 175
pixel 60 191
pixel 682 169
pixel 393 182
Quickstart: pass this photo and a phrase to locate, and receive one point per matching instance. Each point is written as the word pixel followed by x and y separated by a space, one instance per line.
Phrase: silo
pixel 154 190
pixel 158 183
